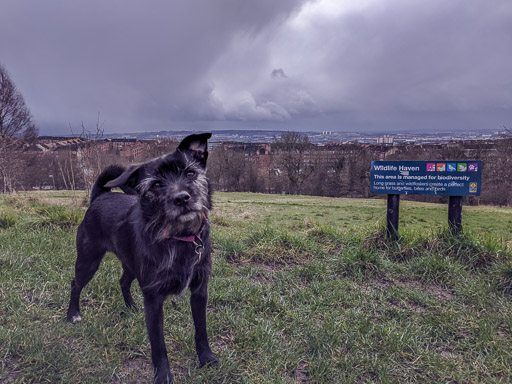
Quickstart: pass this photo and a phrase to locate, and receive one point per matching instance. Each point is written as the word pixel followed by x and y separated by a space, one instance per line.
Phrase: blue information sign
pixel 451 178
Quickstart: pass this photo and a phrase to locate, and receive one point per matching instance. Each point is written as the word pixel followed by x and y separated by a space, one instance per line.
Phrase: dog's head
pixel 174 193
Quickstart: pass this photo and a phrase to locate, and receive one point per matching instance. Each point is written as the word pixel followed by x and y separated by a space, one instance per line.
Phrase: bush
pixel 57 217
pixel 6 220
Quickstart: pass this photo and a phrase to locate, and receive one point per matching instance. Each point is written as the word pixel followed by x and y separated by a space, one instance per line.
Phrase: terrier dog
pixel 159 230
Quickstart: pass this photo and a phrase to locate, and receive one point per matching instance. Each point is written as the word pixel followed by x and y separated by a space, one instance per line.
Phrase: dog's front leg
pixel 198 302
pixel 154 311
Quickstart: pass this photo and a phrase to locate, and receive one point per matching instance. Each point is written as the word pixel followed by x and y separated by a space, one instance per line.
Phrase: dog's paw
pixel 130 303
pixel 133 307
pixel 73 318
pixel 164 378
pixel 208 359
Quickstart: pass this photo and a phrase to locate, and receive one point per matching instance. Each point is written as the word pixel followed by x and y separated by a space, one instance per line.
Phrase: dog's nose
pixel 181 198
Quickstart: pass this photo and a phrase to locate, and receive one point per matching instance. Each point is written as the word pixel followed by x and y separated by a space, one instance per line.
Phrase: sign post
pixel 392 215
pixel 455 214
pixel 455 178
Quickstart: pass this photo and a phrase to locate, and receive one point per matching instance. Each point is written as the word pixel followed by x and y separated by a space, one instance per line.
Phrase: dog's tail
pixel 111 173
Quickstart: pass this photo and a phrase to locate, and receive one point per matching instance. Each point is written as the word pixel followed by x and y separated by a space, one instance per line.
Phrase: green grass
pixel 303 289
pixel 282 210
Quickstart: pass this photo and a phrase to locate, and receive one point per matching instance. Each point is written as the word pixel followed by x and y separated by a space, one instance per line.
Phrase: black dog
pixel 160 232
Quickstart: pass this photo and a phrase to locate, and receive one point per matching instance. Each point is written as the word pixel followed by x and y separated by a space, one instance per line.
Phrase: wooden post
pixel 455 214
pixel 392 216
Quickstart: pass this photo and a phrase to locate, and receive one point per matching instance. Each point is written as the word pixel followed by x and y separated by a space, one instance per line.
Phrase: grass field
pixel 304 289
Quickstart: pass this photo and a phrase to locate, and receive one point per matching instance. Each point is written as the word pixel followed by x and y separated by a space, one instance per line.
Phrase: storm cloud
pixel 291 65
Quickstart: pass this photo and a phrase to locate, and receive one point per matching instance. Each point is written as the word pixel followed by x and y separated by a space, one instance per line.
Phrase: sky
pixel 317 65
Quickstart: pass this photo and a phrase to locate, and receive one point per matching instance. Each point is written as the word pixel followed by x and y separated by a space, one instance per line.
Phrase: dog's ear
pixel 127 181
pixel 197 145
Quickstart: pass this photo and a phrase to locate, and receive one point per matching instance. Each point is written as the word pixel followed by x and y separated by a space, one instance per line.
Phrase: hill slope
pixel 303 289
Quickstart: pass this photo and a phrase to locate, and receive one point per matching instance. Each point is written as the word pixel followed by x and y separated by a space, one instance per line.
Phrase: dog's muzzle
pixel 181 199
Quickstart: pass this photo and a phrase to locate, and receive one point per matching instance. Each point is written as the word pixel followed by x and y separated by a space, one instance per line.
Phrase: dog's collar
pixel 187 239
pixel 195 239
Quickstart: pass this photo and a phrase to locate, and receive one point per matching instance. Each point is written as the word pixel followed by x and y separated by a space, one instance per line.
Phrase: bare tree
pixel 253 180
pixel 15 117
pixel 226 167
pixel 294 156
pixel 15 123
pixel 160 147
pixel 507 132
pixel 497 173
pixel 92 157
pixel 216 169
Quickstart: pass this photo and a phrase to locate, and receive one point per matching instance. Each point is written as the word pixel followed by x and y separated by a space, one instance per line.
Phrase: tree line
pixel 291 164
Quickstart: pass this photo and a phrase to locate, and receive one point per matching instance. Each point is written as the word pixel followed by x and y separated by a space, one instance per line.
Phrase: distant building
pixel 386 139
pixel 132 152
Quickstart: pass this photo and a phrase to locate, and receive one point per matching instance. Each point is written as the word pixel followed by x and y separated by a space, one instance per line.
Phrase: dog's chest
pixel 172 273
pixel 176 281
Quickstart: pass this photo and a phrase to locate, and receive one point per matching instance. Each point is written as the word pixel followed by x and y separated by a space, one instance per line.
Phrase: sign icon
pixel 473 187
pixel 462 167
pixel 473 167
pixel 441 167
pixel 431 167
pixel 451 167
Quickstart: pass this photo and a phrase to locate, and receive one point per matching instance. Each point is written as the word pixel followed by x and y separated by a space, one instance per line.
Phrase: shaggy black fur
pixel 164 198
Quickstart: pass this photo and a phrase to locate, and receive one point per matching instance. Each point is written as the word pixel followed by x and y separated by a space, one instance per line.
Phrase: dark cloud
pixel 334 64
pixel 278 73
pixel 415 56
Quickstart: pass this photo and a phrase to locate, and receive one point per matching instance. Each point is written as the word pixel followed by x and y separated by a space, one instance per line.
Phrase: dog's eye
pixel 156 185
pixel 190 174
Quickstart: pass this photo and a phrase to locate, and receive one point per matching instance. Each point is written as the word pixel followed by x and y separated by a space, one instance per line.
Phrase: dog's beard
pixel 187 217
pixel 183 224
